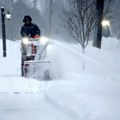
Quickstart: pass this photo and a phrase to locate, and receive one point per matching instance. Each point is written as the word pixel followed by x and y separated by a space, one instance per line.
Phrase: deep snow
pixel 72 94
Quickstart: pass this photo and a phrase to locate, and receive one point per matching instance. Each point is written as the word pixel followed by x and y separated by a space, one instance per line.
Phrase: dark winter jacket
pixel 30 30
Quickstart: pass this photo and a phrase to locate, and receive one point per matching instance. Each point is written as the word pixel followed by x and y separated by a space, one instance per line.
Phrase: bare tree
pixel 79 20
pixel 107 10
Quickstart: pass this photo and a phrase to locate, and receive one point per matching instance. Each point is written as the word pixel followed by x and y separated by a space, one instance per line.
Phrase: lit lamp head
pixel 105 23
pixel 106 28
pixel 8 15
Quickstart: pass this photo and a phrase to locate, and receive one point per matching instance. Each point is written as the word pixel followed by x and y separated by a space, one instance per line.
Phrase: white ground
pixel 72 94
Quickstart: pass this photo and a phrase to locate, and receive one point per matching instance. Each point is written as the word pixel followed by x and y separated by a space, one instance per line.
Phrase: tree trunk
pixel 83 64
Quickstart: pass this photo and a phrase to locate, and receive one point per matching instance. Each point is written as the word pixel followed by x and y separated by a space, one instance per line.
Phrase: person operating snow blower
pixel 34 62
pixel 29 29
pixel 29 32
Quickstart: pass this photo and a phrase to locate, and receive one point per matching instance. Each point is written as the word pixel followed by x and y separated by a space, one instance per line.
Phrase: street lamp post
pixel 3 31
pixel 8 16
pixel 98 25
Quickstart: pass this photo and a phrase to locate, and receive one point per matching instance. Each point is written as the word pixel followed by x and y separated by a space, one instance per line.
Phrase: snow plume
pixel 68 58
